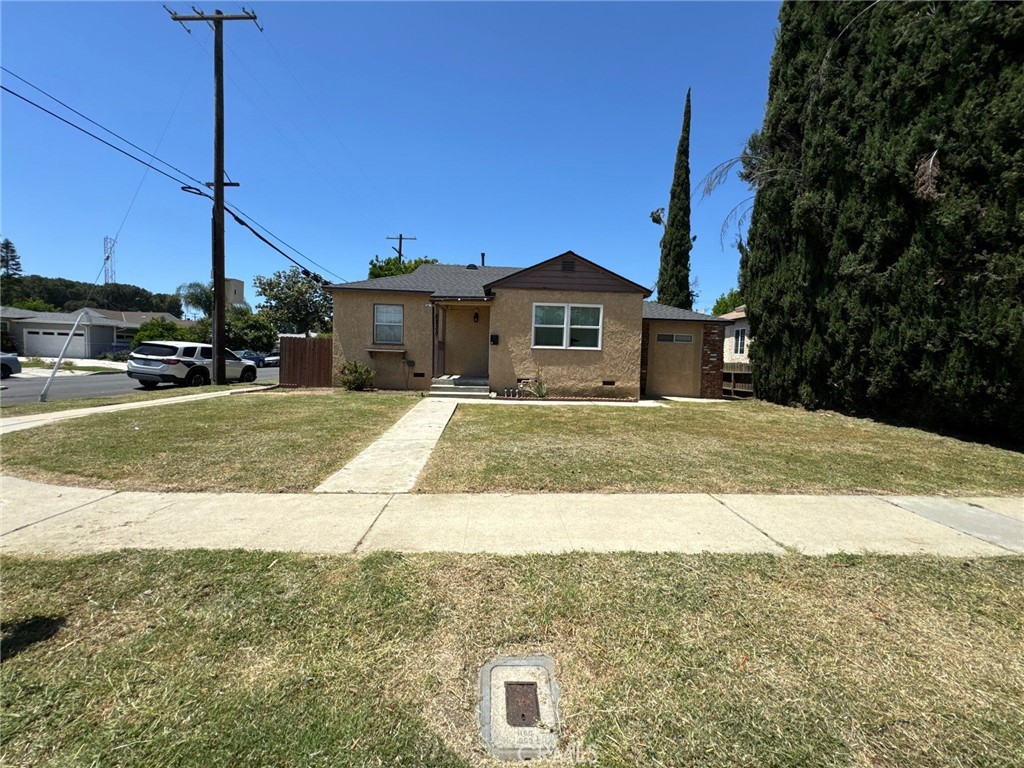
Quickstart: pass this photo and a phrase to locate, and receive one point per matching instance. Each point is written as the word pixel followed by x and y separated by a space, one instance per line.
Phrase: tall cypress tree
pixel 885 272
pixel 674 274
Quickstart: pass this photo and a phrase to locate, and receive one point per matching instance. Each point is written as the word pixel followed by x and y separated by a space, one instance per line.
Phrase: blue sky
pixel 519 129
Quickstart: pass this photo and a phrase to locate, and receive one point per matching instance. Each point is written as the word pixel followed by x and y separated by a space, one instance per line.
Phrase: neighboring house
pixel 43 334
pixel 580 328
pixel 737 336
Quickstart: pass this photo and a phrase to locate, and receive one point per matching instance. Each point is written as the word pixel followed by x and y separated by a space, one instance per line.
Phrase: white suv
pixel 184 363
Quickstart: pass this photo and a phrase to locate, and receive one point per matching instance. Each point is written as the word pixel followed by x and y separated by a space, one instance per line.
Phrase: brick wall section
pixel 711 360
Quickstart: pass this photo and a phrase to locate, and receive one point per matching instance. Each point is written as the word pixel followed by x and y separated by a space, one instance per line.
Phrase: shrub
pixel 356 376
pixel 536 387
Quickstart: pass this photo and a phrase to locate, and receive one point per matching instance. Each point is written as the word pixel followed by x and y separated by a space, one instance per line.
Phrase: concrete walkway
pixel 16 423
pixel 37 518
pixel 392 463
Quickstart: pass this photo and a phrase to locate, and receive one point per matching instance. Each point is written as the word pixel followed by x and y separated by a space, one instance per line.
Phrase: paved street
pixel 26 386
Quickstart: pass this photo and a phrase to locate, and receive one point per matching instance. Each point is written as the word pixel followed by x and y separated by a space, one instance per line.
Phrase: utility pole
pixel 217 19
pixel 398 250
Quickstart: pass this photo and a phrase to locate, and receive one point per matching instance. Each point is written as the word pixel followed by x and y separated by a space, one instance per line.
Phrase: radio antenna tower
pixel 108 260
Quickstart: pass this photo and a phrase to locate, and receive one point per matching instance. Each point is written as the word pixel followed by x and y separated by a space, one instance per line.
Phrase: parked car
pixel 273 359
pixel 248 354
pixel 9 365
pixel 183 363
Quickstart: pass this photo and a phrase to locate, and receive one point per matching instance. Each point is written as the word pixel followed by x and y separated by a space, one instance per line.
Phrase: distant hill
pixel 69 295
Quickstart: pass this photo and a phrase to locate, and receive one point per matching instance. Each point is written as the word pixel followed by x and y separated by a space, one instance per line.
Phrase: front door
pixel 439 334
pixel 466 331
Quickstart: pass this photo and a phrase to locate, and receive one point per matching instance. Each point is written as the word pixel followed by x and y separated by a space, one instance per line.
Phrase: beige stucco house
pixel 578 327
pixel 736 347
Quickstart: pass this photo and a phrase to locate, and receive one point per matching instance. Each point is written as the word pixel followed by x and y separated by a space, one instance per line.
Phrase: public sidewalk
pixel 43 519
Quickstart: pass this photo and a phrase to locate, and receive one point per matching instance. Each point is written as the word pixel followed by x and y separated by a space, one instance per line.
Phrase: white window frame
pixel 566 325
pixel 674 338
pixel 739 342
pixel 391 325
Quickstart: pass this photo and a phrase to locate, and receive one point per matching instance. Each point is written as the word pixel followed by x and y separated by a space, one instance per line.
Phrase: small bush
pixel 536 387
pixel 356 376
pixel 116 352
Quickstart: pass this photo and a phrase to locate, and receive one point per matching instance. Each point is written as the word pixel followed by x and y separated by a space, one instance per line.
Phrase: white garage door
pixel 50 343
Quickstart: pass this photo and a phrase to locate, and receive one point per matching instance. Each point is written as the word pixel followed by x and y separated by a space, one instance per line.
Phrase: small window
pixel 206 353
pixel 188 352
pixel 675 338
pixel 739 341
pixel 387 323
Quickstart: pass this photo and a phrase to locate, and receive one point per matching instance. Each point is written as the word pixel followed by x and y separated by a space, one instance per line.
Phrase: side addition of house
pixel 580 328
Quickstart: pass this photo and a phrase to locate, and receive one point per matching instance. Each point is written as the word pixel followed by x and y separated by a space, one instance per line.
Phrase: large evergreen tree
pixel 10 261
pixel 885 264
pixel 674 273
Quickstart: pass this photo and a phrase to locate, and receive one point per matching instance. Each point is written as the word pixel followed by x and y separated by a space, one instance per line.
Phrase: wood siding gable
pixel 568 272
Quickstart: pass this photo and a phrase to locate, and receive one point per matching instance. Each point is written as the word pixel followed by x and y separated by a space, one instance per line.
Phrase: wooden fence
pixel 305 362
pixel 736 380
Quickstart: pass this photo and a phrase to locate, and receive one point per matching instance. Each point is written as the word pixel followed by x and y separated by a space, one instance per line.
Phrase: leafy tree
pixel 10 261
pixel 393 266
pixel 34 305
pixel 674 288
pixel 197 297
pixel 159 329
pixel 166 302
pixel 294 301
pixel 245 329
pixel 885 272
pixel 727 302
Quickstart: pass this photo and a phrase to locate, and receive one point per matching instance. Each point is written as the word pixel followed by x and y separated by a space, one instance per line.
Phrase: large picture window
pixel 567 326
pixel 387 323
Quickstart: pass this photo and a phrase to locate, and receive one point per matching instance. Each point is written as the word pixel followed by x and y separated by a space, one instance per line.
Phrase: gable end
pixel 568 272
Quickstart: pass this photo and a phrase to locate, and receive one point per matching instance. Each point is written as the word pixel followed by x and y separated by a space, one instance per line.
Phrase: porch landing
pixel 454 385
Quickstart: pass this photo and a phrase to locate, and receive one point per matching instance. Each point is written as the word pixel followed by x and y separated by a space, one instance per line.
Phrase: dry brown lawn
pixel 232 658
pixel 735 447
pixel 271 442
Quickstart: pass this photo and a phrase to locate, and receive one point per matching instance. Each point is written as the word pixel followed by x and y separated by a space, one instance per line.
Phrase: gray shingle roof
pixel 68 318
pixel 439 280
pixel 655 311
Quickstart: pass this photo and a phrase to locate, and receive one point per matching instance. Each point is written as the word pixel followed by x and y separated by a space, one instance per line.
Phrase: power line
pixel 184 185
pixel 284 136
pixel 102 140
pixel 160 141
pixel 301 133
pixel 285 244
pixel 90 120
pixel 326 122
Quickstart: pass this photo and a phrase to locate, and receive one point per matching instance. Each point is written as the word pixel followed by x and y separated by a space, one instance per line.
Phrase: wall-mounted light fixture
pixel 476 317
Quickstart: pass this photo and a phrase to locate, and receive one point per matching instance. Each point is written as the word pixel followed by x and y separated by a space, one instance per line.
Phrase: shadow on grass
pixel 22 634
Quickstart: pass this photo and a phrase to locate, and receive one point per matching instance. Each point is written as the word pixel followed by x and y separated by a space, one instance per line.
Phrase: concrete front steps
pixel 454 385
